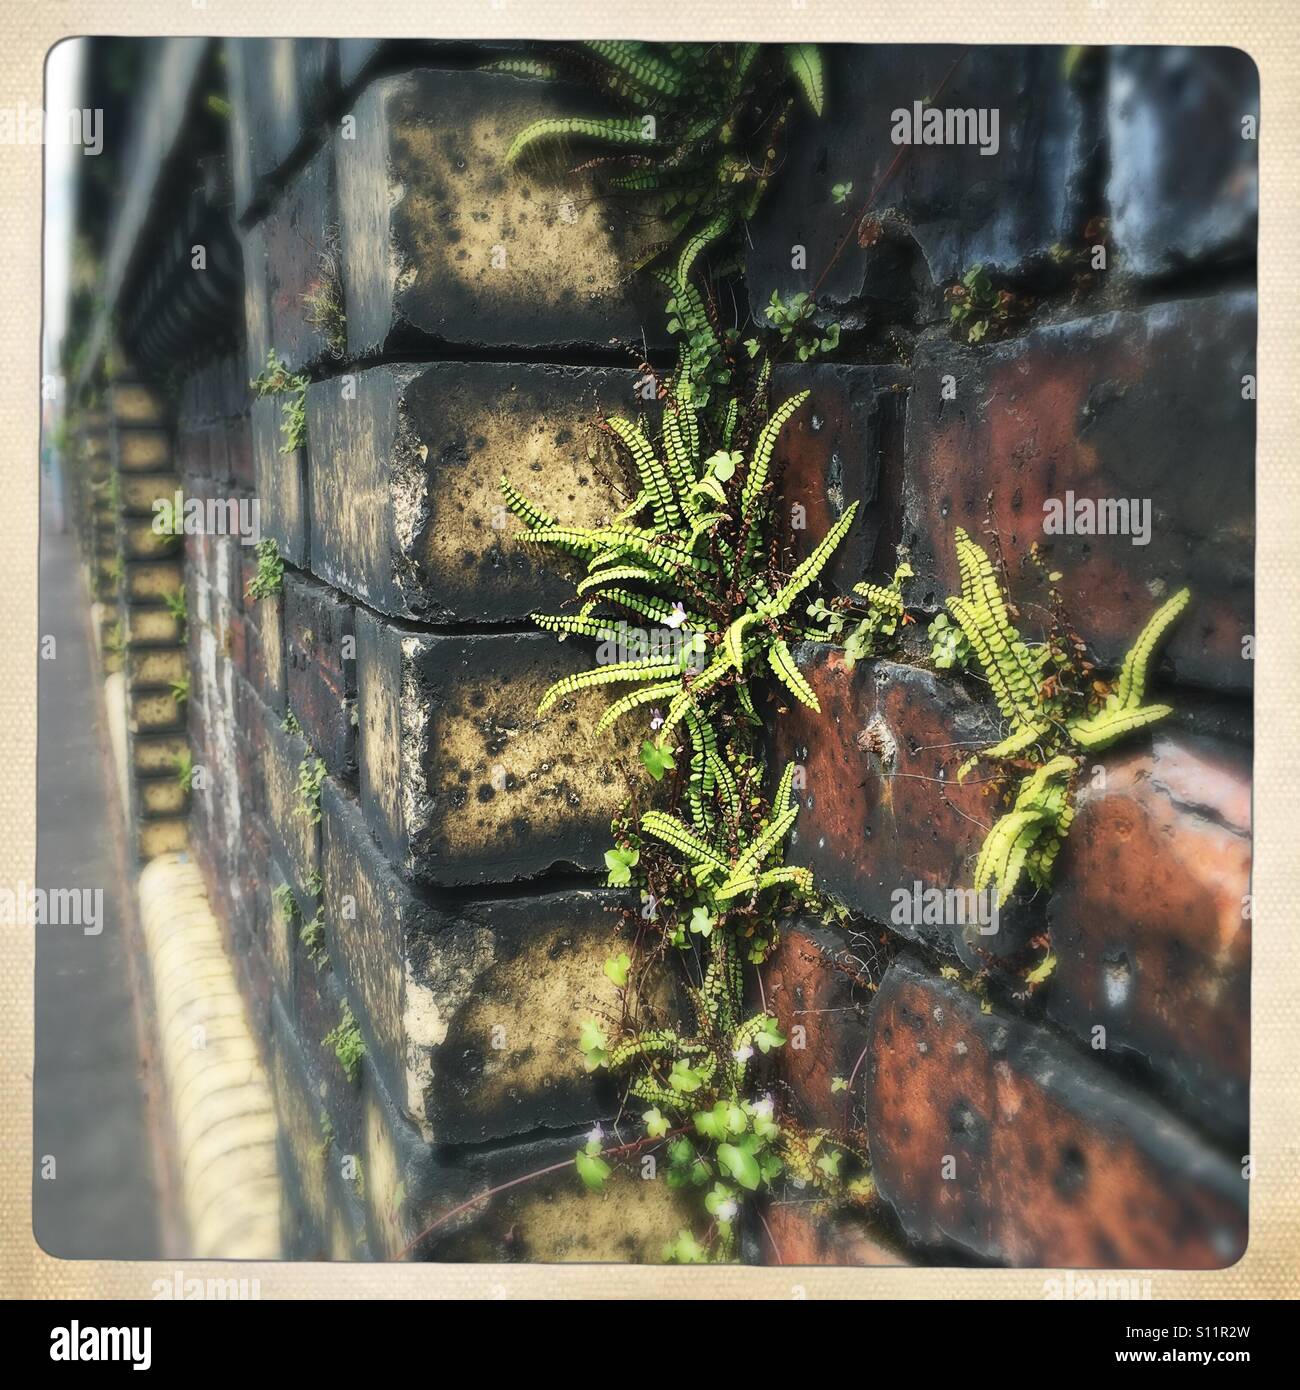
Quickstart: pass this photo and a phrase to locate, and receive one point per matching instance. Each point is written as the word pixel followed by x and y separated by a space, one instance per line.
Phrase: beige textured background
pixel 1270 32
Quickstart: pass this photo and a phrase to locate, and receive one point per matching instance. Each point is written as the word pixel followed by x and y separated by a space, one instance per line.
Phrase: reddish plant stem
pixel 885 178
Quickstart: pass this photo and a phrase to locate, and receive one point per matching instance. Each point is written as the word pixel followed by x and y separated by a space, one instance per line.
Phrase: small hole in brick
pixel 1071 1171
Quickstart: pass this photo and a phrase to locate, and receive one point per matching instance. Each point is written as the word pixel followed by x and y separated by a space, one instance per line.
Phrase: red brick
pixel 819 983
pixel 1148 919
pixel 1129 405
pixel 881 806
pixel 1055 1162
pixel 803 1233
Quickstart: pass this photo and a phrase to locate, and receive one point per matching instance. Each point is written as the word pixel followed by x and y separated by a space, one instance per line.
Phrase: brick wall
pixel 451 878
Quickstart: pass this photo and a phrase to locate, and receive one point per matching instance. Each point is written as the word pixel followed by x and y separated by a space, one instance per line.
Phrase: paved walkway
pixel 90 1084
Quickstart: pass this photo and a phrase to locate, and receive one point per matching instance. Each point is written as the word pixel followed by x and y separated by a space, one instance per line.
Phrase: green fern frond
pixel 881 596
pixel 783 665
pixel 1133 673
pixel 531 515
pixel 612 131
pixel 801 878
pixel 618 574
pixel 1111 725
pixel 672 832
pixel 654 478
pixel 521 67
pixel 653 74
pixel 599 628
pixel 756 478
pixel 809 569
pixel 784 797
pixel 634 700
pixel 804 63
pixel 647 670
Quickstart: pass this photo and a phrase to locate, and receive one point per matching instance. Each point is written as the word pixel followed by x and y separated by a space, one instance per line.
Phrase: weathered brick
pixel 1149 920
pixel 161 796
pixel 320 669
pixel 298 1109
pixel 988 1133
pixel 150 627
pixel 239 445
pixel 283 925
pixel 441 241
pixel 881 806
pixel 1134 405
pixel 545 1219
pixel 140 491
pixel 154 666
pixel 802 1233
pixel 135 404
pixel 959 206
pixel 278 91
pixel 818 983
pixel 265 623
pixel 1184 181
pixel 281 482
pixel 142 451
pixel 470 1010
pixel 843 446
pixel 165 836
pixel 461 779
pixel 146 581
pixel 257 302
pixel 407 512
pixel 155 712
pixel 142 542
pixel 299 240
pixel 295 835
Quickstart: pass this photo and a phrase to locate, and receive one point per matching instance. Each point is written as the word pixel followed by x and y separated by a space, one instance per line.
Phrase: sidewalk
pixel 90 1083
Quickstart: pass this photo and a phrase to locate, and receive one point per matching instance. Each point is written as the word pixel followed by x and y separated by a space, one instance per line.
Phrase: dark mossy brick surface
pixel 443 242
pixel 279 89
pixel 295 835
pixel 547 1219
pixel 843 445
pixel 299 238
pixel 303 1137
pixel 1183 186
pixel 407 511
pixel 1145 406
pixel 461 779
pixel 989 1133
pixel 469 1008
pixel 320 669
pixel 958 205
pixel 281 481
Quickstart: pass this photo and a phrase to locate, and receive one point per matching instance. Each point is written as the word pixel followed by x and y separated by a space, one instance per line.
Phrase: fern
pixel 712 118
pixel 1053 716
pixel 614 132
